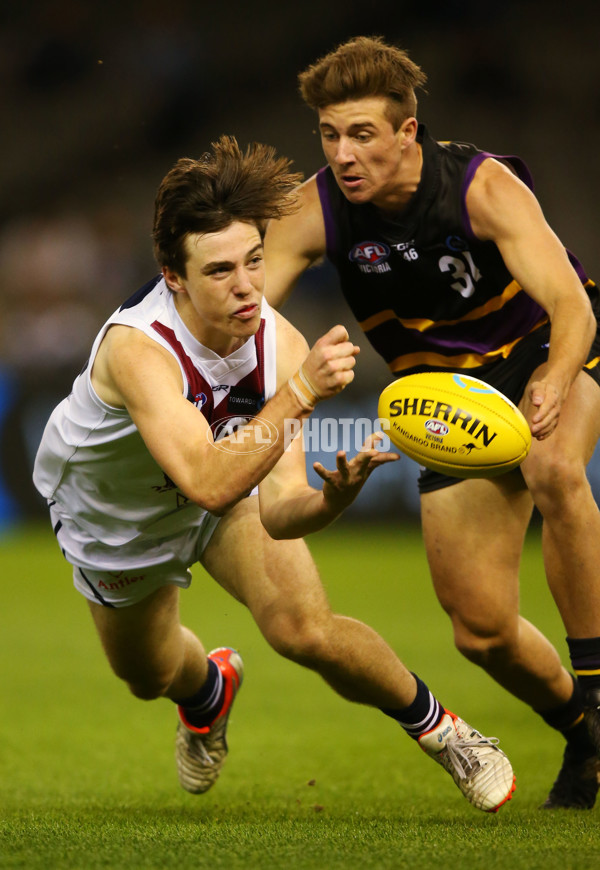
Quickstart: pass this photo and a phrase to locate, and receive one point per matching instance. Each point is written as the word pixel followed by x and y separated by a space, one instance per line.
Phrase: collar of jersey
pixel 215 363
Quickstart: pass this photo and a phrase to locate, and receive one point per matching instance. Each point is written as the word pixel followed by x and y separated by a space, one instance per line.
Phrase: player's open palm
pixel 343 485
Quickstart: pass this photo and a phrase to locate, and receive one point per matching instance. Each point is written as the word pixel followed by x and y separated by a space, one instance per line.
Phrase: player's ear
pixel 408 131
pixel 172 280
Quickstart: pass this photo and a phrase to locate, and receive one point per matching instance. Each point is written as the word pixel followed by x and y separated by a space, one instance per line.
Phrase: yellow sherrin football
pixel 455 424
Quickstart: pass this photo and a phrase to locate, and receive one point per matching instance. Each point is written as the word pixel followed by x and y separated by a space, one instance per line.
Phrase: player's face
pixel 220 298
pixel 365 152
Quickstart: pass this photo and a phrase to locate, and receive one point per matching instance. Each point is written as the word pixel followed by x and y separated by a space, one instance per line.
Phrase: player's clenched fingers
pixel 336 335
pixel 327 369
pixel 342 353
pixel 336 343
pixel 330 378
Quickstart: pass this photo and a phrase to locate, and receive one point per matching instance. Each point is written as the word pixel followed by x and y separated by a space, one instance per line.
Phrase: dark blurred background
pixel 100 99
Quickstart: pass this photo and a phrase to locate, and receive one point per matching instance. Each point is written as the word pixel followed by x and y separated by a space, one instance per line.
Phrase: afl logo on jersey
pixel 372 253
pixel 200 399
pixel 455 243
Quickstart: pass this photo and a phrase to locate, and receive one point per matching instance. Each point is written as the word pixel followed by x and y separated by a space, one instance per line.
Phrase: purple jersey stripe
pixel 330 234
pixel 483 336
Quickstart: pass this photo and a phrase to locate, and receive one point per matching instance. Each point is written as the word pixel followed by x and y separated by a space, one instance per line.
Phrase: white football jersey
pixel 92 461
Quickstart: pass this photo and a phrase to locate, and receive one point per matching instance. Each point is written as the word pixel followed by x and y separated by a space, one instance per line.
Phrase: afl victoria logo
pixel 369 252
pixel 436 427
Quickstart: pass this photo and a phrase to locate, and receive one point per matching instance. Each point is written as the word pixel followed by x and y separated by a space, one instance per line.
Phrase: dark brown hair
pixel 364 67
pixel 222 186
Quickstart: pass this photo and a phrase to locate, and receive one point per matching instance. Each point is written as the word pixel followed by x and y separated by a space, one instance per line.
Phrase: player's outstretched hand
pixel 328 368
pixel 343 485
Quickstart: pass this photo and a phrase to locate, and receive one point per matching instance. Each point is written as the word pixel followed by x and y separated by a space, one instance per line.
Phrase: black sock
pixel 568 719
pixel 422 715
pixel 203 707
pixel 585 658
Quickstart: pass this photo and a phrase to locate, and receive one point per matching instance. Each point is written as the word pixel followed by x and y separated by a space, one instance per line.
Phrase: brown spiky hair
pixel 364 67
pixel 223 186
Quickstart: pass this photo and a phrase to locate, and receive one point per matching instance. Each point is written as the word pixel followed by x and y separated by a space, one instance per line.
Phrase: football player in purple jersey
pixel 448 264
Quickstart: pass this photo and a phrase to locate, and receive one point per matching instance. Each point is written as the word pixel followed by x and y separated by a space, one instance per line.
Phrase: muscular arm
pixel 502 209
pixel 135 372
pixel 289 507
pixel 293 244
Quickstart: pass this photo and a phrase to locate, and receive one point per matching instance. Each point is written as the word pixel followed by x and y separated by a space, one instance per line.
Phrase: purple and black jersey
pixel 426 292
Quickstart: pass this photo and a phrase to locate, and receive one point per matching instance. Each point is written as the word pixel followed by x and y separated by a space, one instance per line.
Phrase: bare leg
pixel 149 649
pixel 555 474
pixel 279 583
pixel 474 533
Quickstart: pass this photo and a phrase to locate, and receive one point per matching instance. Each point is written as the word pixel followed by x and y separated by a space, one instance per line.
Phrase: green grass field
pixel 87 778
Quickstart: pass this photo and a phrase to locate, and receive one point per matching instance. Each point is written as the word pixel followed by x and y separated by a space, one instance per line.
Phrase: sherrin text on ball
pixel 455 424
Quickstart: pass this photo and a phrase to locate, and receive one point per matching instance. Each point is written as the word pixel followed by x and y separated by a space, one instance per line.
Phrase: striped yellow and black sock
pixel 568 719
pixel 585 658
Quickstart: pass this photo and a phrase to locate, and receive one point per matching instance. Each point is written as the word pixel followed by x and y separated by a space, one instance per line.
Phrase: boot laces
pixel 462 753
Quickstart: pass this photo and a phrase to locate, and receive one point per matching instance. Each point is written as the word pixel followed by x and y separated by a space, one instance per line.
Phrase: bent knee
pixel 302 642
pixel 148 691
pixel 486 646
pixel 553 479
pixel 147 685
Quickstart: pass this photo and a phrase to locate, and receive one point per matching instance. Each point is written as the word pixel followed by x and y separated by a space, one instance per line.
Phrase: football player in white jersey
pixel 153 461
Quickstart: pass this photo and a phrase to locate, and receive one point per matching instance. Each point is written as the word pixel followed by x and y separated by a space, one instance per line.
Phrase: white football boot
pixel 200 752
pixel 479 768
